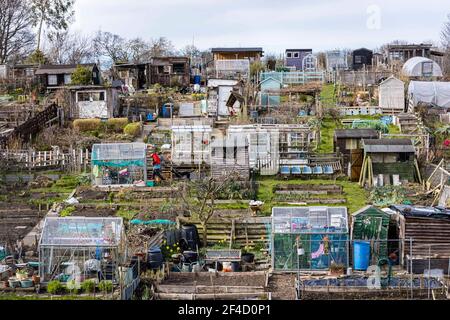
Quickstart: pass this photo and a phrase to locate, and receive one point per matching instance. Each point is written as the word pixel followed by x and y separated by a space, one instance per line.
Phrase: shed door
pixel 357 158
pixel 224 95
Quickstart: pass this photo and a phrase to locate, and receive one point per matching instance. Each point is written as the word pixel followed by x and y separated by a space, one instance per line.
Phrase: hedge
pixel 133 129
pixel 86 125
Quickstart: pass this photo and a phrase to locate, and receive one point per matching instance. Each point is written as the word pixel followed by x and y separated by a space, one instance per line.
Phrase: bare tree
pixel 111 46
pixel 445 37
pixel 161 47
pixel 16 37
pixel 69 48
pixel 139 50
pixel 199 198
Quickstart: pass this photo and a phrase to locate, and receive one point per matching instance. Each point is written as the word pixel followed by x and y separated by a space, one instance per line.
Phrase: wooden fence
pixel 71 161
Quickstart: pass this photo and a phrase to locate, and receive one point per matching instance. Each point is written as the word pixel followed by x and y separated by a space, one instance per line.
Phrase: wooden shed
pixel 349 143
pixel 426 235
pixel 389 161
pixel 372 224
pixel 362 58
pixel 392 96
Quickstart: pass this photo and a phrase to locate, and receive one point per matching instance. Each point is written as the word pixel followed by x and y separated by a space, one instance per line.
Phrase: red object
pixel 156 159
pixel 447 143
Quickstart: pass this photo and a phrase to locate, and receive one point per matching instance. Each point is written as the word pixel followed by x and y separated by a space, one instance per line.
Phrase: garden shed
pixel 362 58
pixel 268 98
pixel 389 162
pixel 420 67
pixel 191 145
pixel 392 96
pixel 79 248
pixel 428 92
pixel 372 224
pixel 119 164
pixel 309 238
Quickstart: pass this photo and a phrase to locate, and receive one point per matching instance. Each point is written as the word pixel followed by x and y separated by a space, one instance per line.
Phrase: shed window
pixel 358 59
pixel 67 79
pixel 52 80
pixel 91 96
pixel 29 72
pixel 289 55
pixel 351 144
pixel 178 68
pixel 296 55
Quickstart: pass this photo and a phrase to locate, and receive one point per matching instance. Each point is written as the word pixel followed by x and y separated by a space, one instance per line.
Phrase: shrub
pixel 105 285
pixel 81 76
pixel 117 124
pixel 88 286
pixel 86 125
pixel 67 212
pixel 72 287
pixel 133 129
pixel 55 287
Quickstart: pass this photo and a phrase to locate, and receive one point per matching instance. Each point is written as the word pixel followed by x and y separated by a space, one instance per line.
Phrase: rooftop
pixel 389 146
pixel 213 50
pixel 356 133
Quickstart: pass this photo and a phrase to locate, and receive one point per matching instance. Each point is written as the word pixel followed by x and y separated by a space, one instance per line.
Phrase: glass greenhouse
pixel 309 238
pixel 119 164
pixel 81 248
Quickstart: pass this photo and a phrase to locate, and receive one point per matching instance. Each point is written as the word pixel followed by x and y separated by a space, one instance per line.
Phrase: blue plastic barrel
pixel 361 255
pixel 167 111
pixel 197 79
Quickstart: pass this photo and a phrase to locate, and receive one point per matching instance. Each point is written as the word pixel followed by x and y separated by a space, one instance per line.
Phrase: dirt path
pixel 282 286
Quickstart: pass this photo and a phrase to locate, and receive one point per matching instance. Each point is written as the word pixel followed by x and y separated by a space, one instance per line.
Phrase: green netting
pixel 371 124
pixel 119 163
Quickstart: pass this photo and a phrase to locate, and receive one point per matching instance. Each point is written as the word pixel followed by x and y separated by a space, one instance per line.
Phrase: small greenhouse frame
pixel 119 164
pixel 82 248
pixel 309 238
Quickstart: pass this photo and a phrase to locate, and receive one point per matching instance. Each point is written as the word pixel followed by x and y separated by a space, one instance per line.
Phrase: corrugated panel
pixel 426 232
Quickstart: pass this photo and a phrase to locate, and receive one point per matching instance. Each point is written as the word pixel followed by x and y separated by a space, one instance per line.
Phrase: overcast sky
pixel 274 25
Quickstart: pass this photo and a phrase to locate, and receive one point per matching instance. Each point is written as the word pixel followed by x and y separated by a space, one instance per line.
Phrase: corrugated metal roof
pixel 356 133
pixel 60 69
pixel 389 146
pixel 237 50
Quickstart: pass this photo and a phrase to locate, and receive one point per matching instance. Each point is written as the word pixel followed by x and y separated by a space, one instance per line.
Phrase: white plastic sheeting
pixel 392 94
pixel 437 93
pixel 421 67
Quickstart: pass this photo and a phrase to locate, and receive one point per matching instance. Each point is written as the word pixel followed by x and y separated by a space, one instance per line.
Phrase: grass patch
pixel 328 96
pixel 356 197
pixel 327 136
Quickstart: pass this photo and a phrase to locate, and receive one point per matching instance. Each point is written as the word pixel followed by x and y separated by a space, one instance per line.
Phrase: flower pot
pixel 27 283
pixel 14 283
pixel 36 280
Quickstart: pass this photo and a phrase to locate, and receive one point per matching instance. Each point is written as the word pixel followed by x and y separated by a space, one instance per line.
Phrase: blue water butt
pixel 197 79
pixel 361 255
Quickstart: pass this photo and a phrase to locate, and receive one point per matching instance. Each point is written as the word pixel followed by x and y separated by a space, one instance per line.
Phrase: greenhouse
pixel 420 67
pixel 80 249
pixel 119 164
pixel 309 238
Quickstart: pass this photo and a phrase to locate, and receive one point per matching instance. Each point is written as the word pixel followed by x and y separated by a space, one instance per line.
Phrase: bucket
pixel 361 255
pixel 235 266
